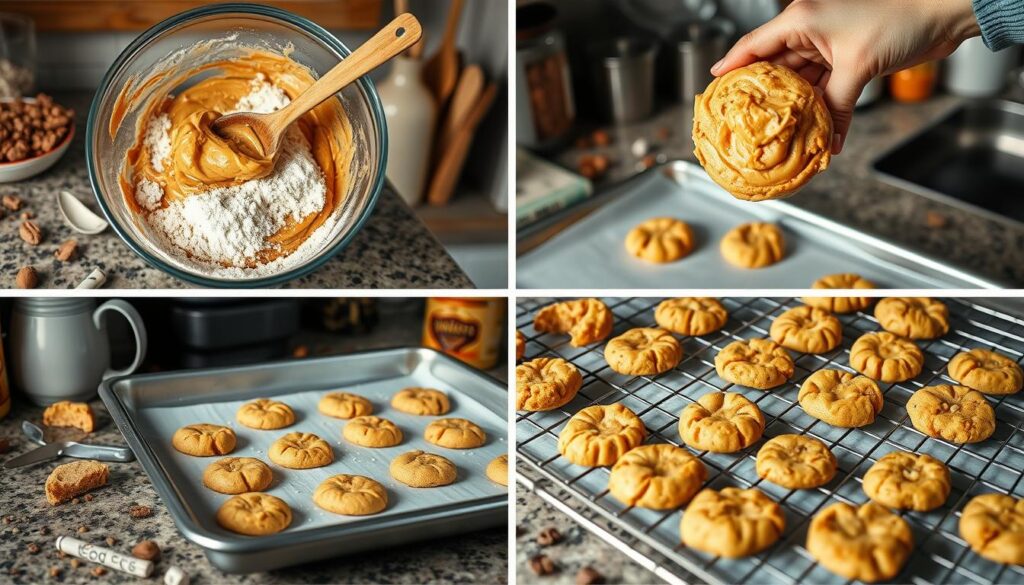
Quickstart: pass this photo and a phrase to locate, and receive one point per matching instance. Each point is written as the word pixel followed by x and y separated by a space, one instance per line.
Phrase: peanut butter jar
pixel 468 329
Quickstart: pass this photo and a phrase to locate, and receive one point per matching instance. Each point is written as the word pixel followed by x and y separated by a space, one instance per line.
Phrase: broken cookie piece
pixel 73 479
pixel 70 414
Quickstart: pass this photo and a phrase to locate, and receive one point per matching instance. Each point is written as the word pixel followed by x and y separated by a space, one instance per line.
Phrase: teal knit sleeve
pixel 1001 21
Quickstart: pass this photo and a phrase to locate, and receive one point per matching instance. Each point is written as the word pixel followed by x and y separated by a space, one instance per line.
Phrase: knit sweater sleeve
pixel 1001 21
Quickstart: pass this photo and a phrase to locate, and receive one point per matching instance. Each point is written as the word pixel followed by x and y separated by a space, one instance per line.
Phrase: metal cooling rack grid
pixel 940 555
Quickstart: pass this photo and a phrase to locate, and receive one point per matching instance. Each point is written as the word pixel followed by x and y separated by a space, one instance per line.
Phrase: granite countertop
pixel 394 249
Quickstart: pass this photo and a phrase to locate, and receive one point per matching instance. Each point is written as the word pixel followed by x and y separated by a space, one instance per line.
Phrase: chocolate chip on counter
pixel 542 565
pixel 146 550
pixel 111 541
pixel 98 571
pixel 549 536
pixel 589 576
pixel 33 548
pixel 140 512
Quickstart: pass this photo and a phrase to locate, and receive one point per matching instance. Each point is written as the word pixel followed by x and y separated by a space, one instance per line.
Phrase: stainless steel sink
pixel 973 158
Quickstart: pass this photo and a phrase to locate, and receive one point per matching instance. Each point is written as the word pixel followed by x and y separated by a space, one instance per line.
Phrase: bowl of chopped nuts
pixel 34 134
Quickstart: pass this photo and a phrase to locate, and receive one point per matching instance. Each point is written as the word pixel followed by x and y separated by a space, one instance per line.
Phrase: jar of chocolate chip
pixel 545 109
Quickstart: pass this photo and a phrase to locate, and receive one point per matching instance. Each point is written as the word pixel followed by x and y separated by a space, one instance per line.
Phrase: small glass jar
pixel 545 108
pixel 17 55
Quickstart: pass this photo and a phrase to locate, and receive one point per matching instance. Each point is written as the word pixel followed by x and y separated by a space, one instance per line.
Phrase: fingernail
pixel 837 143
pixel 717 66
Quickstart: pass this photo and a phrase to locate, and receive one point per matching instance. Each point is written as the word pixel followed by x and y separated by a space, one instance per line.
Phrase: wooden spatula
pixel 452 159
pixel 442 70
pixel 466 95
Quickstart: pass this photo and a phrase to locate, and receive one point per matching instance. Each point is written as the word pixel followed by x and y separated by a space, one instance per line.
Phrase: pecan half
pixel 30 232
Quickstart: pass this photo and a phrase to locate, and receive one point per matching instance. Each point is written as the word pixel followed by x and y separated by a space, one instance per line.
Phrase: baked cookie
pixel 691 315
pixel 300 451
pixel 70 414
pixel 732 523
pixel 585 320
pixel 70 480
pixel 265 414
pixel 660 240
pixel 254 514
pixel 658 477
pixel 237 475
pixel 421 401
pixel 497 469
pixel 843 305
pixel 993 525
pixel 643 351
pixel 986 371
pixel 754 363
pixel 546 384
pixel 454 433
pixel 796 462
pixel 204 440
pixel 721 422
pixel 351 495
pixel 954 413
pixel 908 481
pixel 868 543
pixel 372 431
pixel 598 435
pixel 421 469
pixel 753 245
pixel 916 318
pixel 520 345
pixel 886 357
pixel 807 330
pixel 761 131
pixel 840 398
pixel 344 405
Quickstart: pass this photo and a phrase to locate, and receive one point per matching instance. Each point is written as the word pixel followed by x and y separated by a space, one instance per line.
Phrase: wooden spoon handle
pixel 397 36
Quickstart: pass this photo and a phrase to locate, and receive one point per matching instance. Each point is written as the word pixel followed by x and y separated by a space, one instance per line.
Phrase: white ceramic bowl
pixel 20 170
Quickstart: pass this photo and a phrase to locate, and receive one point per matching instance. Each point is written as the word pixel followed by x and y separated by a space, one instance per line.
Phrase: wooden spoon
pixel 449 166
pixel 259 135
pixel 467 93
pixel 441 71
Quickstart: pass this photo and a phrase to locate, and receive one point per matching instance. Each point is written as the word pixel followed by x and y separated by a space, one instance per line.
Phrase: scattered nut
pixel 30 232
pixel 75 500
pixel 44 530
pixel 55 572
pixel 140 512
pixel 12 202
pixel 75 563
pixel 601 163
pixel 99 571
pixel 111 541
pixel 67 251
pixel 8 519
pixel 89 497
pixel 146 550
pixel 29 129
pixel 83 529
pixel 542 565
pixel 589 576
pixel 549 536
pixel 27 215
pixel 33 548
pixel 27 278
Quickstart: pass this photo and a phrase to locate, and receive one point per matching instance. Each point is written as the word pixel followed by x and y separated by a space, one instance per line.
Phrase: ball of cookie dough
pixel 454 433
pixel 660 240
pixel 644 351
pixel 204 440
pixel 350 495
pixel 585 320
pixel 658 477
pixel 886 357
pixel 868 543
pixel 807 330
pixel 598 435
pixel 721 422
pixel 915 318
pixel 986 371
pixel 691 315
pixel 754 363
pixel 908 481
pixel 265 414
pixel 421 469
pixel 372 431
pixel 254 514
pixel 993 525
pixel 732 522
pixel 301 451
pixel 753 245
pixel 237 475
pixel 841 305
pixel 344 405
pixel 497 469
pixel 421 401
pixel 954 413
pixel 840 398
pixel 546 384
pixel 796 462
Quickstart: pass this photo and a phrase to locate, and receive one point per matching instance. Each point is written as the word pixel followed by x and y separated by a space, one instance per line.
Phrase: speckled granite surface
pixel 393 250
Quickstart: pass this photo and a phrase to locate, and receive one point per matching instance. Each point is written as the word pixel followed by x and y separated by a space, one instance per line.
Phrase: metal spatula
pixel 68 447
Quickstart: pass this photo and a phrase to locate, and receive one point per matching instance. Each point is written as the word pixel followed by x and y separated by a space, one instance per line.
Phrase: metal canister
pixel 625 77
pixel 698 46
pixel 468 329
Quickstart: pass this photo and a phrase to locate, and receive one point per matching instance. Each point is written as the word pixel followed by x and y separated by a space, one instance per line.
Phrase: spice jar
pixel 545 109
pixel 468 329
pixel 914 84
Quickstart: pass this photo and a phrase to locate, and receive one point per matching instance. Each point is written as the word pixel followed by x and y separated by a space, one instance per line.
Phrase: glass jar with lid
pixel 545 108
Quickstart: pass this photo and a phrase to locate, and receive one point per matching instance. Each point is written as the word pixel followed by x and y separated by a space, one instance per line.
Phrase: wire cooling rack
pixel 651 537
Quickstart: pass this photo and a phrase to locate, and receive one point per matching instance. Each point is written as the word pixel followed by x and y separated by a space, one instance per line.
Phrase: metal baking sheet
pixel 148 410
pixel 590 253
pixel 651 537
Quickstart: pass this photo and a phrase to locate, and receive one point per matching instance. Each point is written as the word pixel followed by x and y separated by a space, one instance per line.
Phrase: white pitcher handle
pixel 138 328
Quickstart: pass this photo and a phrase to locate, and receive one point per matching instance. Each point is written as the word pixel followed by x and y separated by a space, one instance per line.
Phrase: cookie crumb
pixel 140 512
pixel 75 563
pixel 111 541
pixel 83 529
pixel 98 571
pixel 146 550
pixel 549 536
pixel 75 500
pixel 55 572
pixel 589 576
pixel 33 548
pixel 542 565
pixel 89 497
pixel 44 530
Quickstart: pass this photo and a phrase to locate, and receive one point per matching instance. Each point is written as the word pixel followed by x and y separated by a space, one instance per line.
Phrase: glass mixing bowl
pixel 239 26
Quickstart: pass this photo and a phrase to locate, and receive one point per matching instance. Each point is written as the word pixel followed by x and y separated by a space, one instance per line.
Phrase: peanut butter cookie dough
pixel 807 330
pixel 755 363
pixel 421 401
pixel 732 523
pixel 585 320
pixel 986 371
pixel 644 351
pixel 658 477
pixel 372 431
pixel 660 240
pixel 753 245
pixel 868 543
pixel 344 405
pixel 954 413
pixel 420 469
pixel 70 414
pixel 796 462
pixel 265 414
pixel 254 514
pixel 908 481
pixel 351 495
pixel 204 440
pixel 598 435
pixel 886 357
pixel 840 398
pixel 721 422
pixel 691 315
pixel 454 433
pixel 497 469
pixel 915 318
pixel 993 525
pixel 546 384
pixel 237 475
pixel 841 304
pixel 301 451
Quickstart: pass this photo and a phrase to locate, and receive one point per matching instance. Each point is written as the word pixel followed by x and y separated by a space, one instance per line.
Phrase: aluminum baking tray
pixel 590 254
pixel 149 408
pixel 651 537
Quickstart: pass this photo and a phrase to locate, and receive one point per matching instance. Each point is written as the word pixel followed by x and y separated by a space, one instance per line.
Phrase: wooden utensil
pixel 442 70
pixel 466 95
pixel 259 135
pixel 452 159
